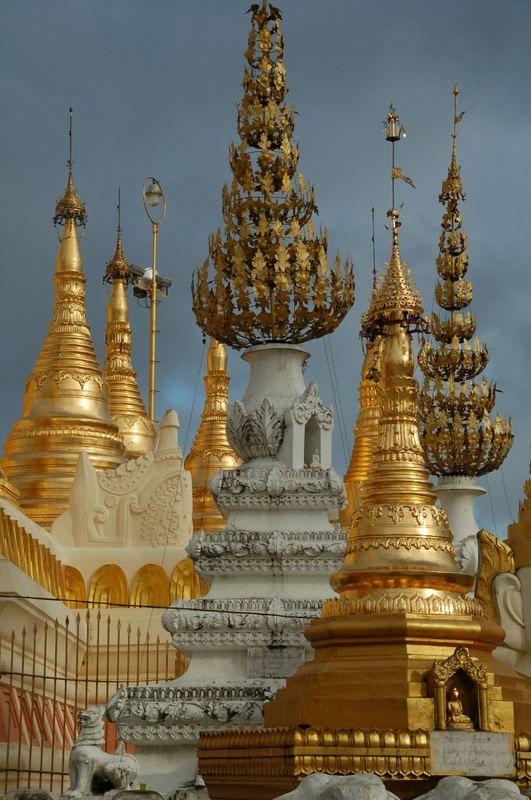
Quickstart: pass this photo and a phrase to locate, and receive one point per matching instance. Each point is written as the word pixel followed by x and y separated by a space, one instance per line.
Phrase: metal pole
pixel 153 325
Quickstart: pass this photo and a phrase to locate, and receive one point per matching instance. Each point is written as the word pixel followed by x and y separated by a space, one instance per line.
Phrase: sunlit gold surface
pixel 65 408
pixel 35 559
pixel 401 538
pixel 127 407
pixel 108 586
pixel 211 450
pixel 150 587
pixel 519 532
pixel 268 279
pixel 402 615
pixel 365 436
pixel 457 432
pixel 495 557
pixel 185 583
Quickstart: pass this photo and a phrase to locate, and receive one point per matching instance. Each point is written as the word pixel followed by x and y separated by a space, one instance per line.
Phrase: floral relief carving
pixel 256 434
pixel 164 515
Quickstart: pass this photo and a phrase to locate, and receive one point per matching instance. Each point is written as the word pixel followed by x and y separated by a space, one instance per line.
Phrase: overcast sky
pixel 154 86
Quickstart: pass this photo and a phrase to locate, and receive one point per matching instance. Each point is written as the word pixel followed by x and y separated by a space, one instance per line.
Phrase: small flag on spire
pixel 397 174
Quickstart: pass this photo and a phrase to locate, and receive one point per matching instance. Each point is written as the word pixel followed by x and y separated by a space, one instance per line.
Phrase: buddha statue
pixel 457 720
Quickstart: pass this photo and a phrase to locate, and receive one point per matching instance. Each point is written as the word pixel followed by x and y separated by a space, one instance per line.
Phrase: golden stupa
pixel 457 432
pixel 211 450
pixel 365 433
pixel 519 532
pixel 66 408
pixel 128 411
pixel 404 653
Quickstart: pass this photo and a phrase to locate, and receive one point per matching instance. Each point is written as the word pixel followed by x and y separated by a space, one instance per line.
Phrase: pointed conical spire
pixel 458 434
pixel 65 408
pixel 366 429
pixel 398 499
pixel 519 532
pixel 128 411
pixel 211 450
pixel 270 278
pixel 365 435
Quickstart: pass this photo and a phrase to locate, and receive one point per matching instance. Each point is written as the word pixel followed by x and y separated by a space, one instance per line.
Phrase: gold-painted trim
pixel 150 587
pixel 108 586
pixel 185 583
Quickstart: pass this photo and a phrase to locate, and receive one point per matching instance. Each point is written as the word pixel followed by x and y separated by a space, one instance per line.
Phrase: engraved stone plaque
pixel 273 662
pixel 472 753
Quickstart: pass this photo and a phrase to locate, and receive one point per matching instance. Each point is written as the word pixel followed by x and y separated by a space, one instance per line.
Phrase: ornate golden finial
pixel 268 277
pixel 211 450
pixel 70 206
pixel 395 296
pixel 398 517
pixel 128 411
pixel 457 432
pixel 66 409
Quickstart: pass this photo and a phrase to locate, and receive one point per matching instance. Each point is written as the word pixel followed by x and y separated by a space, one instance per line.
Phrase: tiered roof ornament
pixel 461 441
pixel 267 278
pixel 457 431
pixel 128 411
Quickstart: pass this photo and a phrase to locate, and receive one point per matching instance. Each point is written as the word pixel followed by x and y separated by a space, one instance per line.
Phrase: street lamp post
pixel 153 197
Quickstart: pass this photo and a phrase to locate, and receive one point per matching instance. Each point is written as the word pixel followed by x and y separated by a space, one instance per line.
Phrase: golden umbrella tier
pixel 458 434
pixel 267 279
pixel 128 411
pixel 211 451
pixel 66 409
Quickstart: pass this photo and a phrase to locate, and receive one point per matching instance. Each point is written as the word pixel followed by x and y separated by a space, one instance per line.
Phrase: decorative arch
pixel 75 589
pixel 472 676
pixel 150 587
pixel 108 586
pixel 186 584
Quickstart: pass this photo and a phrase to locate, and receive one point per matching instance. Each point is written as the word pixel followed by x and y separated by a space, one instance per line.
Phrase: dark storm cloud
pixel 155 85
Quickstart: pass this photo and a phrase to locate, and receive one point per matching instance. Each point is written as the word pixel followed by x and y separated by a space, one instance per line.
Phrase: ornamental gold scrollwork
pixel 402 603
pixel 400 543
pixel 495 557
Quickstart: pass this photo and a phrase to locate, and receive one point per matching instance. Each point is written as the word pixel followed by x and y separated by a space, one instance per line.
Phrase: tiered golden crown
pixel 458 434
pixel 267 279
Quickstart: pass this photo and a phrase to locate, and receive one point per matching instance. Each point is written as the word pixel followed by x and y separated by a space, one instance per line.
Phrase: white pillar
pixel 458 494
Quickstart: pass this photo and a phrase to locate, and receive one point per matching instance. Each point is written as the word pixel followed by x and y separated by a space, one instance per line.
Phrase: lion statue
pixel 92 770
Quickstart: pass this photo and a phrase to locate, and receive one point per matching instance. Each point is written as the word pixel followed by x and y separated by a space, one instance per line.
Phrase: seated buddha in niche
pixel 456 718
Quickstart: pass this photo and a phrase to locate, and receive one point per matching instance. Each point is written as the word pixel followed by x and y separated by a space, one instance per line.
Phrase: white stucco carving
pixel 127 513
pixel 513 601
pixel 457 495
pixel 269 571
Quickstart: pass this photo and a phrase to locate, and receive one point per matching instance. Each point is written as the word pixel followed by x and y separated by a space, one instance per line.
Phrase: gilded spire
pixel 458 434
pixel 267 278
pixel 65 408
pixel 402 539
pixel 211 450
pixel 127 407
pixel 365 434
pixel 519 532
pixel 366 429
